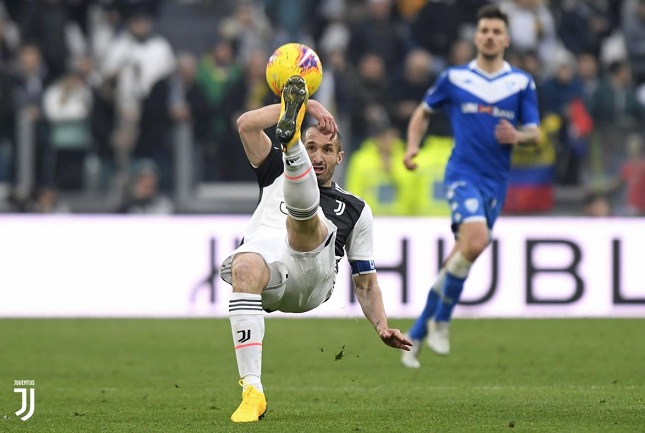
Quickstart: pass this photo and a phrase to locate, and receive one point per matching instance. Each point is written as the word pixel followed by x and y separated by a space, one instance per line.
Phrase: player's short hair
pixel 338 138
pixel 490 11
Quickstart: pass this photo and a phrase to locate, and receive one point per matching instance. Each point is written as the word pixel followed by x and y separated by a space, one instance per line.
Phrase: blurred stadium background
pixel 110 102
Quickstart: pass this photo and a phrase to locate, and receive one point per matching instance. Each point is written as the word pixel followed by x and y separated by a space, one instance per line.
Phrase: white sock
pixel 247 325
pixel 459 266
pixel 301 193
pixel 437 286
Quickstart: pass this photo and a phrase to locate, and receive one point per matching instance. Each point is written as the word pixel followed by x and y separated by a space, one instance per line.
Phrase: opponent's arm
pixel 369 297
pixel 506 133
pixel 417 128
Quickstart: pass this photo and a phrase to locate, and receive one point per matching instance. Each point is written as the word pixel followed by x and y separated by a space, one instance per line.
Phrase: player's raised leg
pixel 301 193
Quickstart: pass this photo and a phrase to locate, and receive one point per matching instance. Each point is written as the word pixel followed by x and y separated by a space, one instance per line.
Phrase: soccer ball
pixel 294 59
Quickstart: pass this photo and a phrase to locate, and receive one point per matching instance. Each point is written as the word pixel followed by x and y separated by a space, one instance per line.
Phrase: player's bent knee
pixel 474 248
pixel 250 273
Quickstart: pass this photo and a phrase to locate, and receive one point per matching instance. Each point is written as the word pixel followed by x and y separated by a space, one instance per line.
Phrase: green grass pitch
pixel 325 375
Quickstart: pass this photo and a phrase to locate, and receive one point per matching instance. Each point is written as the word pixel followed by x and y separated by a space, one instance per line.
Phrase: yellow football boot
pixel 292 112
pixel 253 406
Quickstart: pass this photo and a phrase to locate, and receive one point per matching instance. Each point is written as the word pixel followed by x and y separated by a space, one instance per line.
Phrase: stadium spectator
pixel 461 51
pixel 488 101
pixel 29 76
pixel 562 86
pixel 288 262
pixel 377 174
pixel 144 196
pixel 435 27
pixel 632 177
pixel 583 25
pixel 377 32
pixel 9 39
pixel 597 205
pixel 589 73
pixel 48 24
pixel 189 105
pixel 218 72
pixel 7 128
pixel 48 201
pixel 562 94
pixel 531 28
pixel 249 29
pixel 616 111
pixel 67 107
pixel 288 17
pixel 406 86
pixel 139 63
pixel 634 37
pixel 369 93
pixel 248 93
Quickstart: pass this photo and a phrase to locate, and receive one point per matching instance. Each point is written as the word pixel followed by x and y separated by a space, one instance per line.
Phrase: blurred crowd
pixel 112 98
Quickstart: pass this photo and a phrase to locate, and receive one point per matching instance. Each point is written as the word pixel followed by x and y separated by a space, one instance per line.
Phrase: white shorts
pixel 299 281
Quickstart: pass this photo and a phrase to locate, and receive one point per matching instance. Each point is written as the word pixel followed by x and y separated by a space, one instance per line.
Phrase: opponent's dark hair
pixel 338 138
pixel 490 11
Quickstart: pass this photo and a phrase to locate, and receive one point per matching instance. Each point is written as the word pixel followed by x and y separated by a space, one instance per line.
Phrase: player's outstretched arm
pixel 417 128
pixel 369 296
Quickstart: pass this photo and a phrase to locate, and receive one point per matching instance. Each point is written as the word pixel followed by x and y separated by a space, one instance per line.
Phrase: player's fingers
pixel 405 340
pixel 400 345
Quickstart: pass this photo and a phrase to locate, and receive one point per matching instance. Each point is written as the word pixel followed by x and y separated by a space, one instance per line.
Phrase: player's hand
pixel 326 122
pixel 394 338
pixel 506 133
pixel 408 160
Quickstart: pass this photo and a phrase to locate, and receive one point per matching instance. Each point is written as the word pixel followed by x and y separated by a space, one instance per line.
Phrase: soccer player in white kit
pixel 303 225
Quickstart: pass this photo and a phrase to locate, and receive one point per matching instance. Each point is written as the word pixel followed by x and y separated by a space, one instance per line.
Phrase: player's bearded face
pixel 324 155
pixel 491 38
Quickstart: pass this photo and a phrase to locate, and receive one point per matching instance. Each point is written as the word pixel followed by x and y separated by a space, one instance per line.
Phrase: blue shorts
pixel 468 203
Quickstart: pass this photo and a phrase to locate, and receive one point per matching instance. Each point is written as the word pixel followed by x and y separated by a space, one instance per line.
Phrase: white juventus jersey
pixel 349 213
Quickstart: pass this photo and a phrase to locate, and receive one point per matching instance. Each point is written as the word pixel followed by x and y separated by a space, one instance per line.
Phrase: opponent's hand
pixel 408 160
pixel 394 338
pixel 326 122
pixel 506 133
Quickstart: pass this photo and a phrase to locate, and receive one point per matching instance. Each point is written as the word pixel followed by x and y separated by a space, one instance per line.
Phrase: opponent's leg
pixel 419 329
pixel 473 239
